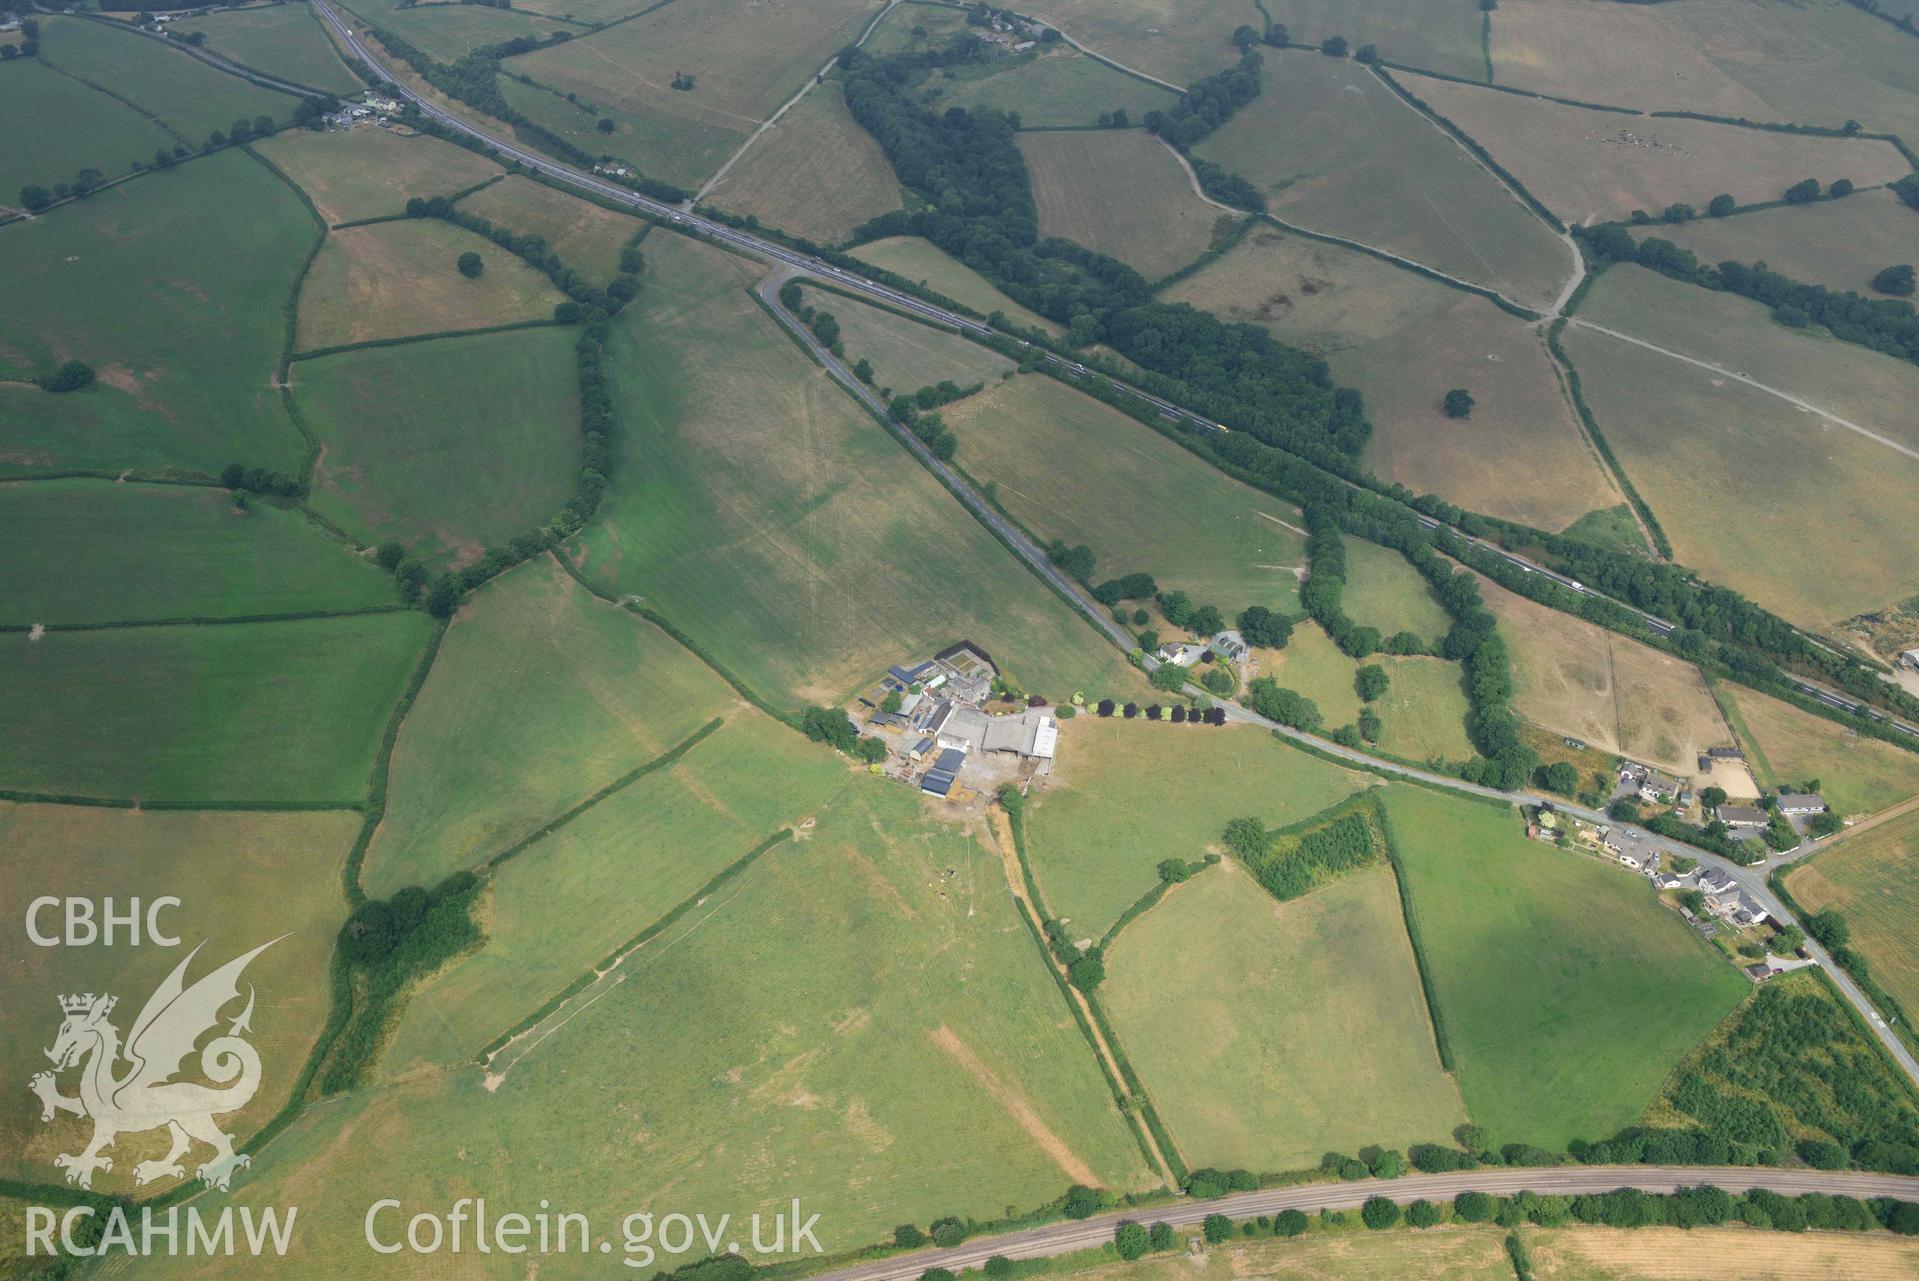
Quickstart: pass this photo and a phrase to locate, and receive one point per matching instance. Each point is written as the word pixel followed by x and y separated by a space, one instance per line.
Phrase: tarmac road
pixel 1065 1237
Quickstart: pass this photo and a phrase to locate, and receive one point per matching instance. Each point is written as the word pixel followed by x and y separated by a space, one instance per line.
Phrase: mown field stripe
pixel 670 757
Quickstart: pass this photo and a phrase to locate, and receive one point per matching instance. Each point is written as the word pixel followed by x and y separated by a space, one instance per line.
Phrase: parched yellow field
pixel 1173 40
pixel 747 58
pixel 1857 775
pixel 1841 244
pixel 241 878
pixel 1123 193
pixel 1404 341
pixel 1706 451
pixel 1070 467
pixel 370 172
pixel 1440 1254
pixel 925 263
pixel 1269 1033
pixel 1679 1254
pixel 1873 878
pixel 815 174
pixel 393 279
pixel 1336 151
pixel 1585 165
pixel 1625 698
pixel 1818 62
pixel 586 236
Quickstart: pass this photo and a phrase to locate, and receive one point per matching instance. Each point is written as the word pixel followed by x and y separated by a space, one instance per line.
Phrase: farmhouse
pixel 1801 803
pixel 1742 816
pixel 1184 654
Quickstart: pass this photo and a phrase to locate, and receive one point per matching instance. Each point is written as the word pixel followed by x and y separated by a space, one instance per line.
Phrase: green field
pixel 286 41
pixel 1818 62
pixel 925 1015
pixel 396 279
pixel 1123 193
pixel 189 95
pixel 1679 431
pixel 370 172
pixel 1440 35
pixel 907 355
pixel 1870 878
pixel 1384 590
pixel 925 263
pixel 448 447
pixel 1422 714
pixel 1270 1033
pixel 1053 87
pixel 752 500
pixel 203 257
pixel 1127 794
pixel 557 914
pixel 1785 745
pixel 587 237
pixel 1585 164
pixel 90 551
pixel 815 174
pixel 243 712
pixel 1841 244
pixel 1565 991
pixel 540 696
pixel 1173 40
pixel 1337 151
pixel 1404 341
pixel 746 60
pixel 1070 467
pixel 445 31
pixel 241 879
pixel 95 131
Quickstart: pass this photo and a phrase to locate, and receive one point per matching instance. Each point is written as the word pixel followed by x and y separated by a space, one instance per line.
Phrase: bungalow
pixel 1801 803
pixel 1742 816
pixel 1669 880
pixel 1713 882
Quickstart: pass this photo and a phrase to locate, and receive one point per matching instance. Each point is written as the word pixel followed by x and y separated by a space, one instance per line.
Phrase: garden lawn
pixel 240 880
pixel 399 279
pixel 262 712
pixel 752 500
pixel 447 447
pixel 188 95
pixel 1564 990
pixel 1070 467
pixel 91 551
pixel 541 695
pixel 1127 795
pixel 198 261
pixel 95 131
pixel 815 174
pixel 1270 1033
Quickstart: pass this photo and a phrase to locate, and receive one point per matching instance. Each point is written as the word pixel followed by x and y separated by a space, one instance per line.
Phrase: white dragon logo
pixel 143 1098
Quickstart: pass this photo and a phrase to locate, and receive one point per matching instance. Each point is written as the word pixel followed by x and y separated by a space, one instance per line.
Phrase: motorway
pixel 797 261
pixel 792 262
pixel 1082 1234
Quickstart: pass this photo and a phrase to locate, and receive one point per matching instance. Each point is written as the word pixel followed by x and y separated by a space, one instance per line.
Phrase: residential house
pixel 1669 880
pixel 1801 803
pixel 1742 816
pixel 1184 654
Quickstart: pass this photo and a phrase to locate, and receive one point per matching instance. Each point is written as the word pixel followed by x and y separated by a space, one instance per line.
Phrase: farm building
pixel 1910 660
pixel 945 772
pixel 1802 803
pixel 1742 816
pixel 957 726
pixel 1719 754
pixel 1032 734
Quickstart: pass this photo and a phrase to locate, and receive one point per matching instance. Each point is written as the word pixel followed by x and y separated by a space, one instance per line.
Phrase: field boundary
pixel 1472 144
pixel 177 807
pixel 128 103
pixel 1409 915
pixel 1661 543
pixel 672 756
pixel 368 344
pixel 1413 265
pixel 297 616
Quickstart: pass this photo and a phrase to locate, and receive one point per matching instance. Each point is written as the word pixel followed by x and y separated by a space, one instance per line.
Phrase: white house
pixel 1802 803
pixel 1184 654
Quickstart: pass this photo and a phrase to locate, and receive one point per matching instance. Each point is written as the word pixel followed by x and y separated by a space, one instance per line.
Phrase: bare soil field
pixel 369 172
pixel 586 236
pixel 815 174
pixel 1814 62
pixel 1626 698
pixel 1586 165
pixel 1404 341
pixel 1336 151
pixel 394 279
pixel 1699 447
pixel 1123 193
